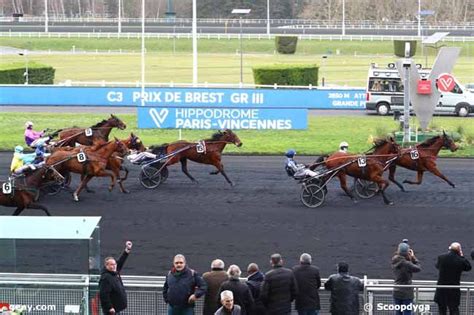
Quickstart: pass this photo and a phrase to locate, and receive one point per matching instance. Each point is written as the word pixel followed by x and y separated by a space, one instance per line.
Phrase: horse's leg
pixel 38 206
pixel 214 172
pixel 88 190
pixel 433 169
pixel 383 184
pixel 220 169
pixel 121 179
pixel 18 210
pixel 419 179
pixel 184 168
pixel 81 186
pixel 343 183
pixel 105 173
pixel 391 177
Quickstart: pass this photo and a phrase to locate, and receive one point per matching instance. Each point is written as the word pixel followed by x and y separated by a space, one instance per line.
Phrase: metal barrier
pixel 53 294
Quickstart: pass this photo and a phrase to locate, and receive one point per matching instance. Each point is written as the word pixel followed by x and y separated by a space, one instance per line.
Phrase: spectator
pixel 279 288
pixel 183 286
pixel 308 281
pixel 113 297
pixel 228 307
pixel 214 279
pixel 404 264
pixel 241 292
pixel 344 291
pixel 450 267
pixel 254 282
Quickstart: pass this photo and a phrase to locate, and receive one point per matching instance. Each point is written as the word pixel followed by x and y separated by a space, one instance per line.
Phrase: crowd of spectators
pixel 273 293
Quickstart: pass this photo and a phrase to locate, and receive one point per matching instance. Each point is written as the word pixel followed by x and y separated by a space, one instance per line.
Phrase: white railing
pixel 223 36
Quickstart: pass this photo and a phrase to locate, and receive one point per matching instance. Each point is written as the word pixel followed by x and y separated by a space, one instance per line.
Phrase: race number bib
pixel 201 147
pixel 414 154
pixel 81 157
pixel 88 132
pixel 7 188
pixel 362 161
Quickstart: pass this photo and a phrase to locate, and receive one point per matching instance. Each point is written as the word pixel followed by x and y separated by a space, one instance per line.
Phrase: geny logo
pixel 158 117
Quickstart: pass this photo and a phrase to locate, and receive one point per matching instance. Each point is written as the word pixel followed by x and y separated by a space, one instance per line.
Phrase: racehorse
pixel 116 159
pixel 181 151
pixel 349 165
pixel 25 189
pixel 100 133
pixel 422 158
pixel 94 165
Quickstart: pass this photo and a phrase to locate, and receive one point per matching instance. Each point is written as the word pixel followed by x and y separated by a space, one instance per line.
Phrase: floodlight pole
pixel 119 16
pixel 343 17
pixel 419 17
pixel 241 53
pixel 143 54
pixel 195 51
pixel 46 16
pixel 26 73
pixel 406 95
pixel 268 17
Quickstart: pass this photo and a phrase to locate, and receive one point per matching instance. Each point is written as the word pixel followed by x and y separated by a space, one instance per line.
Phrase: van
pixel 384 93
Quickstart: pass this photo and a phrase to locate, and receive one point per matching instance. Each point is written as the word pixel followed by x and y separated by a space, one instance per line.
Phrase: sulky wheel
pixel 365 189
pixel 150 177
pixel 164 174
pixel 312 195
pixel 51 188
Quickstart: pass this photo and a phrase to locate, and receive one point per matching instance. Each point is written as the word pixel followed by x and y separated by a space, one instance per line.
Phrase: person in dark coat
pixel 242 295
pixel 404 264
pixel 113 297
pixel 183 286
pixel 214 279
pixel 450 266
pixel 309 281
pixel 344 291
pixel 279 288
pixel 254 282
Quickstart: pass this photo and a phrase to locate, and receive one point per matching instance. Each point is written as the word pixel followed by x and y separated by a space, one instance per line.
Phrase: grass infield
pixel 323 135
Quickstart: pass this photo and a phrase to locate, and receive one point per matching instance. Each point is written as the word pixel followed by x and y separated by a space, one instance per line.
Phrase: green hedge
pixel 286 75
pixel 37 74
pixel 286 44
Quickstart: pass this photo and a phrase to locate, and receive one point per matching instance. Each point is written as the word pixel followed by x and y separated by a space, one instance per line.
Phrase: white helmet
pixel 28 124
pixel 343 144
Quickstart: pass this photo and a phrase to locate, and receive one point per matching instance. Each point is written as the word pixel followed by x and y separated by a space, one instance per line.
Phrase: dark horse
pixel 188 151
pixel 95 165
pixel 372 171
pixel 100 133
pixel 25 189
pixel 424 160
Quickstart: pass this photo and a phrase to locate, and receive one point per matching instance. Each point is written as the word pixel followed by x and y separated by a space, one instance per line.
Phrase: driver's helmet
pixel 343 146
pixel 290 153
pixel 18 149
pixel 28 124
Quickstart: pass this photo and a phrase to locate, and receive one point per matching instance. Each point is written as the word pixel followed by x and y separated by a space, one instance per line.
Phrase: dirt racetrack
pixel 262 214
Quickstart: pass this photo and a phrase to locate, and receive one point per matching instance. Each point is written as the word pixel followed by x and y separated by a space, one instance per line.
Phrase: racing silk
pixel 290 163
pixel 20 159
pixel 31 135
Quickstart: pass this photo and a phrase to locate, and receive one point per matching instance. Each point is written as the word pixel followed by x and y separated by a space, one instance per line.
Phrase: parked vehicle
pixel 384 93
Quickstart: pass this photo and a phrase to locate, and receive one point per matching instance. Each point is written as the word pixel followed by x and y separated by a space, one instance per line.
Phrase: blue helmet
pixel 290 153
pixel 18 149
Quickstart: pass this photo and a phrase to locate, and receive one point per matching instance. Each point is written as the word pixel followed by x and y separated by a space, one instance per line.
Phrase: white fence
pixel 79 294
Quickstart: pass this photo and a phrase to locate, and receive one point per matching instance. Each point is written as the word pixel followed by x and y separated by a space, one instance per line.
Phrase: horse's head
pixel 229 136
pixel 136 143
pixel 120 147
pixel 448 143
pixel 114 121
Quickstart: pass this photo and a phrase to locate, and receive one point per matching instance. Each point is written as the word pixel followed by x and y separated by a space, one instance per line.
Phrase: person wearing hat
pixel 21 162
pixel 34 138
pixel 294 169
pixel 404 264
pixel 343 147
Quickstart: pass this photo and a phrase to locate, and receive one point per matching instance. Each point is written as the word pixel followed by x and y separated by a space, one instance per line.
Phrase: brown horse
pixel 181 151
pixel 116 160
pixel 349 165
pixel 25 189
pixel 100 133
pixel 94 166
pixel 423 159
